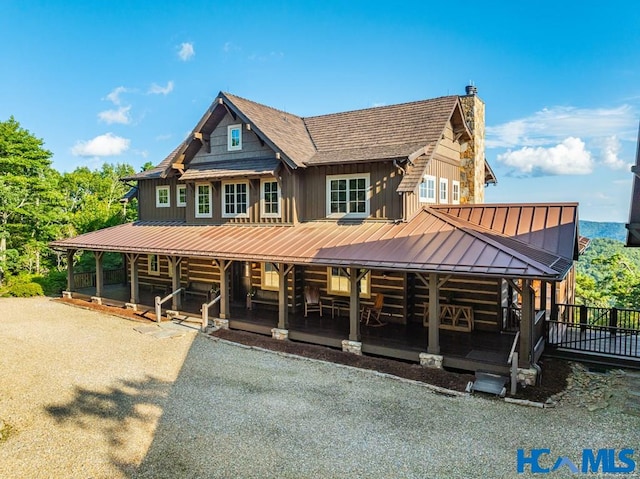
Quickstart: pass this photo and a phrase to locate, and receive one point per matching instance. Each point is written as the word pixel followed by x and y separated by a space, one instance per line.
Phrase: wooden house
pixel 633 226
pixel 379 211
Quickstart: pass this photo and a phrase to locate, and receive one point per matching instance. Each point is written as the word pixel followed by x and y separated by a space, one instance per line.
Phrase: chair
pixel 370 315
pixel 312 301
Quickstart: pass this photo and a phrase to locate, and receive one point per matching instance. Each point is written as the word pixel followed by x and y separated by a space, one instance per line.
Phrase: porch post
pixel 434 315
pixel 526 324
pixel 176 302
pixel 554 302
pixel 70 281
pixel 354 305
pixel 99 273
pixel 133 272
pixel 283 296
pixel 543 296
pixel 223 265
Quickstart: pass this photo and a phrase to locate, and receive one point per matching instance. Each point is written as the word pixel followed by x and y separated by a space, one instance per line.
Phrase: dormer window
pixel 428 189
pixel 348 196
pixel 234 137
pixel 163 197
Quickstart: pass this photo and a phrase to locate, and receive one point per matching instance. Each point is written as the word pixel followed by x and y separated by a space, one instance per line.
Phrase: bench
pixel 261 296
pixel 155 287
pixel 452 317
pixel 201 289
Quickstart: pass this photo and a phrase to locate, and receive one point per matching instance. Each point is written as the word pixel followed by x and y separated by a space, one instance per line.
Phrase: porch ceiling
pixel 430 242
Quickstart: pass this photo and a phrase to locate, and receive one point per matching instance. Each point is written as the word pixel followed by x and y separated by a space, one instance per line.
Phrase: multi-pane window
pixel 444 186
pixel 348 195
pixel 338 282
pixel 270 279
pixel 455 192
pixel 270 199
pixel 163 198
pixel 235 199
pixel 203 200
pixel 154 264
pixel 428 189
pixel 181 195
pixel 234 137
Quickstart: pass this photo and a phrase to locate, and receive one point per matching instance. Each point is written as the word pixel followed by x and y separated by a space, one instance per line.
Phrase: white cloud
pixel 186 52
pixel 114 96
pixel 610 150
pixel 121 115
pixel 103 145
pixel 229 47
pixel 156 89
pixel 566 158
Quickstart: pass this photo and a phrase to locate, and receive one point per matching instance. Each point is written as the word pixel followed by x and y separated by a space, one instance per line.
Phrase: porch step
pixel 489 383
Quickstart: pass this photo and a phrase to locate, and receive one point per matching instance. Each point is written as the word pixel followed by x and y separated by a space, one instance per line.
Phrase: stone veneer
pixel 473 158
pixel 354 347
pixel 281 334
pixel 433 361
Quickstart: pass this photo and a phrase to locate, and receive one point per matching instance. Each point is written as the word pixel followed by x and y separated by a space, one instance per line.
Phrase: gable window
pixel 163 197
pixel 270 193
pixel 348 195
pixel 428 189
pixel 154 264
pixel 234 137
pixel 444 194
pixel 203 200
pixel 235 200
pixel 270 279
pixel 181 195
pixel 455 192
pixel 338 283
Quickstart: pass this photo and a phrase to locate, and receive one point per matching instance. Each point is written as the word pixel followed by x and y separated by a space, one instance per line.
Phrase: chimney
pixel 471 89
pixel 472 178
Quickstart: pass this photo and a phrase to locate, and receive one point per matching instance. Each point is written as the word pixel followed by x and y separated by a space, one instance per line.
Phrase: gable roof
pixel 633 227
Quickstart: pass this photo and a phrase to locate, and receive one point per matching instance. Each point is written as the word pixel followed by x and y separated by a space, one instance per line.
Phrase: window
pixel 428 189
pixel 455 192
pixel 339 283
pixel 348 195
pixel 235 200
pixel 181 195
pixel 270 199
pixel 444 185
pixel 270 278
pixel 154 264
pixel 203 200
pixel 163 198
pixel 234 137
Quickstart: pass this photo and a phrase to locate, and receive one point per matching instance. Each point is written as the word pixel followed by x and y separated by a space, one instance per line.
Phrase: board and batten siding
pixel 439 167
pixel 384 201
pixel 147 209
pixel 447 147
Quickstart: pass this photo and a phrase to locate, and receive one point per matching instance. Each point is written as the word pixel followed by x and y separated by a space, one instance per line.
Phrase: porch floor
pixel 472 351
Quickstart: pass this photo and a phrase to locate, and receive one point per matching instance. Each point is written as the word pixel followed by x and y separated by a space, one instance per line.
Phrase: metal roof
pixel 432 241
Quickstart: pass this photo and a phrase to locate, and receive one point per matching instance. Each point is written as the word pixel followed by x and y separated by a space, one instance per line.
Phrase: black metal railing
pixel 585 316
pixel 593 338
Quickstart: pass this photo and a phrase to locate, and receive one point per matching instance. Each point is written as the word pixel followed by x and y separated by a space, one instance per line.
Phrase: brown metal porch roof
pixel 431 242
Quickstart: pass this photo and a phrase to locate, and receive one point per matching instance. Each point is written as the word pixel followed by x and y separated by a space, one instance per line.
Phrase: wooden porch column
pixel 70 281
pixel 543 296
pixel 526 324
pixel 174 264
pixel 283 295
pixel 133 273
pixel 354 305
pixel 434 315
pixel 553 301
pixel 223 266
pixel 99 273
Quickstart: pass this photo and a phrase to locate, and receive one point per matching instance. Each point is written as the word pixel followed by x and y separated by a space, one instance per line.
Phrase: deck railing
pixel 109 276
pixel 586 316
pixel 159 301
pixel 594 338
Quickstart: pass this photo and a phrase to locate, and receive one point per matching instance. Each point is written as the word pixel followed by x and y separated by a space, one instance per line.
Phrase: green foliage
pixel 25 290
pixel 594 229
pixel 53 283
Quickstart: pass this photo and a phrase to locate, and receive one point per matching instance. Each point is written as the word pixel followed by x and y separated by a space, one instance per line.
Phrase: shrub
pixel 53 283
pixel 25 290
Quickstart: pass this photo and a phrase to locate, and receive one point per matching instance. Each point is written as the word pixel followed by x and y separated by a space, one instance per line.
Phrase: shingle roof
pixel 158 171
pixel 414 172
pixel 432 241
pixel 231 169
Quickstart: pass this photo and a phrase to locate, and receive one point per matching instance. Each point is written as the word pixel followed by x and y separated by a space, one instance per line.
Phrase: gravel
pixel 85 395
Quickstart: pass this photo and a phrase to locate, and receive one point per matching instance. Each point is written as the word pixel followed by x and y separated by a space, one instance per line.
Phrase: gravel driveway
pixel 85 395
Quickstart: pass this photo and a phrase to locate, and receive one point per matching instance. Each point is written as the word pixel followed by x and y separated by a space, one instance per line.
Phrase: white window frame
pixel 230 130
pixel 443 199
pixel 263 203
pixel 340 285
pixel 455 192
pixel 223 194
pixel 180 188
pixel 427 198
pixel 209 214
pixel 267 277
pixel 348 214
pixel 153 272
pixel 167 189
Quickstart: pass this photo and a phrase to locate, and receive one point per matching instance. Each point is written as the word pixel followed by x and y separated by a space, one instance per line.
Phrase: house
pixel 380 210
pixel 633 227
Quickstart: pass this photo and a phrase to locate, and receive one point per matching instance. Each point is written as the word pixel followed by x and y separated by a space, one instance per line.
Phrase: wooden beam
pixel 283 306
pixel 133 273
pixel 70 280
pixel 434 315
pixel 514 285
pixel 223 265
pixel 354 305
pixel 174 264
pixel 526 325
pixel 99 273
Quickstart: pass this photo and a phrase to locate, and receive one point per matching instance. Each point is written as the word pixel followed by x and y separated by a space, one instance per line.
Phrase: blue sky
pixel 125 81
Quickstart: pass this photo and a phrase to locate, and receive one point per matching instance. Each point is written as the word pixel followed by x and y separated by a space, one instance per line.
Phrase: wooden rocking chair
pixel 312 301
pixel 370 315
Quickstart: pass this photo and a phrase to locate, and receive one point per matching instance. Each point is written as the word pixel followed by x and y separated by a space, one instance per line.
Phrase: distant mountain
pixel 595 229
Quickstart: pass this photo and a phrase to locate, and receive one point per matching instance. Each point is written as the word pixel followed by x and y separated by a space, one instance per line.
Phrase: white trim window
pixel 203 200
pixel 235 200
pixel 428 189
pixel 348 196
pixel 444 190
pixel 163 196
pixel 270 199
pixel 455 192
pixel 234 137
pixel 153 262
pixel 181 195
pixel 270 279
pixel 338 283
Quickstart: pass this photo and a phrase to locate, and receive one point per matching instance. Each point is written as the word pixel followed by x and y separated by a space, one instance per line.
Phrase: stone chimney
pixel 472 177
